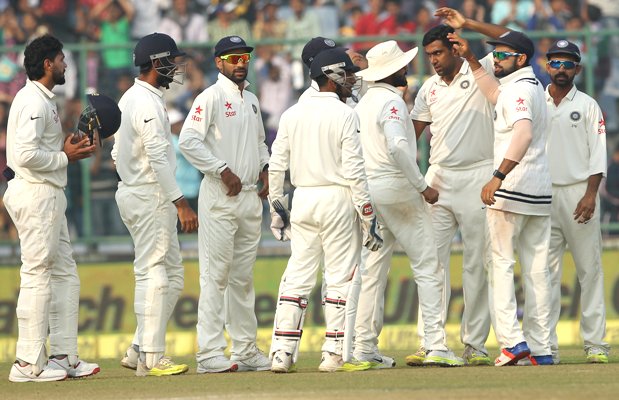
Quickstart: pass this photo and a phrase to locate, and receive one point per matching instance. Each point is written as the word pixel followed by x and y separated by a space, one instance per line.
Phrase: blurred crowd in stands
pixel 278 73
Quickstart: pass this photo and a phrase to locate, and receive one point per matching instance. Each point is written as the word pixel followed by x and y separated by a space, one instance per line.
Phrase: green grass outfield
pixel 573 379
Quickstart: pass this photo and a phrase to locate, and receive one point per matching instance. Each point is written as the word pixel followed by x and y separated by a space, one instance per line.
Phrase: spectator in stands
pixel 397 23
pixel 473 10
pixel 513 14
pixel 268 25
pixel 302 24
pixel 227 23
pixel 371 23
pixel 184 25
pixel 147 17
pixel 115 17
pixel 187 176
pixel 549 15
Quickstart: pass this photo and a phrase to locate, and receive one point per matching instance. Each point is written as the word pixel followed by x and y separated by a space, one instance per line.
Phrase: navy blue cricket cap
pixel 315 46
pixel 517 41
pixel 329 60
pixel 154 46
pixel 564 47
pixel 228 43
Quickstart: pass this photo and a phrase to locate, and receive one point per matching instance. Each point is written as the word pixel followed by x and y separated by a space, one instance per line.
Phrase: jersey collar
pixel 385 86
pixel 569 96
pixel 526 72
pixel 227 83
pixel 42 88
pixel 148 86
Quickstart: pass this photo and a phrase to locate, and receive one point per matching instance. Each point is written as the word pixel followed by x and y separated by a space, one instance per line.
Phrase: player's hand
pixel 264 178
pixel 451 17
pixel 80 149
pixel 280 219
pixel 430 195
pixel 370 227
pixel 186 215
pixel 232 182
pixel 585 209
pixel 461 45
pixel 487 192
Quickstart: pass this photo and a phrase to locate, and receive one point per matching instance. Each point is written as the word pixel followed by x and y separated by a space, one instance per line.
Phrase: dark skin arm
pixel 79 150
pixel 264 178
pixel 419 127
pixel 232 182
pixel 186 215
pixel 586 206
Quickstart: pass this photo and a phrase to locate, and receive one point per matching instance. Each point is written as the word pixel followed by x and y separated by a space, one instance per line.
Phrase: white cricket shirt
pixel 143 149
pixel 35 141
pixel 224 128
pixel 460 117
pixel 527 188
pixel 383 121
pixel 318 141
pixel 577 142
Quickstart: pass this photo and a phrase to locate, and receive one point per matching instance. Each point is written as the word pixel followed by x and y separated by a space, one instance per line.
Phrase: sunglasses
pixel 235 58
pixel 502 55
pixel 556 64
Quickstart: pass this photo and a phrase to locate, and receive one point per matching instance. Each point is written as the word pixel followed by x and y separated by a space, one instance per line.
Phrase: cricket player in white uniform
pixel 223 137
pixel 37 157
pixel 399 192
pixel 149 201
pixel 318 141
pixel 519 193
pixel 460 120
pixel 577 134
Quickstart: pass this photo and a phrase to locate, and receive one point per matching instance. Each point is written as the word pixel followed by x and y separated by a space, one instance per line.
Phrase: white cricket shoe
pixel 376 360
pixel 332 362
pixel 216 364
pixel 165 367
pixel 130 359
pixel 80 369
pixel 26 374
pixel 256 361
pixel 282 362
pixel 443 358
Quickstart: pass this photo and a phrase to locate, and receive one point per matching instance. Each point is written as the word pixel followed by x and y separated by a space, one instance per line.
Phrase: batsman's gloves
pixel 370 227
pixel 280 219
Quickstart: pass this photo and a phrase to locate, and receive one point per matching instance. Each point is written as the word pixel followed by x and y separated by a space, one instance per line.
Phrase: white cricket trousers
pixel 228 236
pixel 151 219
pixel 530 235
pixel 585 244
pixel 407 222
pixel 324 223
pixel 49 287
pixel 459 206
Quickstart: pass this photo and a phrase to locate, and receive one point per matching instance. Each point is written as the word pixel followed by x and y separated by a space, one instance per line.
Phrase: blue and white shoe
pixel 511 355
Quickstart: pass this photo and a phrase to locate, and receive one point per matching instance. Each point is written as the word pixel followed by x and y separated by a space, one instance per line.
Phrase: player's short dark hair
pixel 45 47
pixel 321 80
pixel 439 32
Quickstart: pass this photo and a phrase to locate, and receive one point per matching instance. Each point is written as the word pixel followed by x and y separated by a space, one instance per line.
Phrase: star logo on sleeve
pixel 601 126
pixel 520 101
pixel 520 106
pixel 197 114
pixel 228 105
pixel 394 110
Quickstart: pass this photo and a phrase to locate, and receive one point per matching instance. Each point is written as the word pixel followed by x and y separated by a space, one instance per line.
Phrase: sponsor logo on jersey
pixel 601 126
pixel 433 96
pixel 520 106
pixel 253 106
pixel 230 113
pixel 56 117
pixel 394 114
pixel 465 84
pixel 197 114
pixel 367 210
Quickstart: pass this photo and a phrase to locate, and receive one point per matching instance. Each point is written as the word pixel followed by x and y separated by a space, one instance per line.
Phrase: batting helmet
pixel 159 46
pixel 101 115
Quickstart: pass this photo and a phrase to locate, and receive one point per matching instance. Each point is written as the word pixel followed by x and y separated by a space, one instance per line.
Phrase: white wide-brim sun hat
pixel 384 60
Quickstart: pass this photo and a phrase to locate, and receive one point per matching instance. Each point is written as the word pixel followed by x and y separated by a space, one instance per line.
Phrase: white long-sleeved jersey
pixel 388 137
pixel 527 188
pixel 143 150
pixel 35 140
pixel 318 141
pixel 225 129
pixel 577 142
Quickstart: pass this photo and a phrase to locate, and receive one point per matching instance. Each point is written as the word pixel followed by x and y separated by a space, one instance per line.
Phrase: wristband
pixel 177 200
pixel 498 174
pixel 265 168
